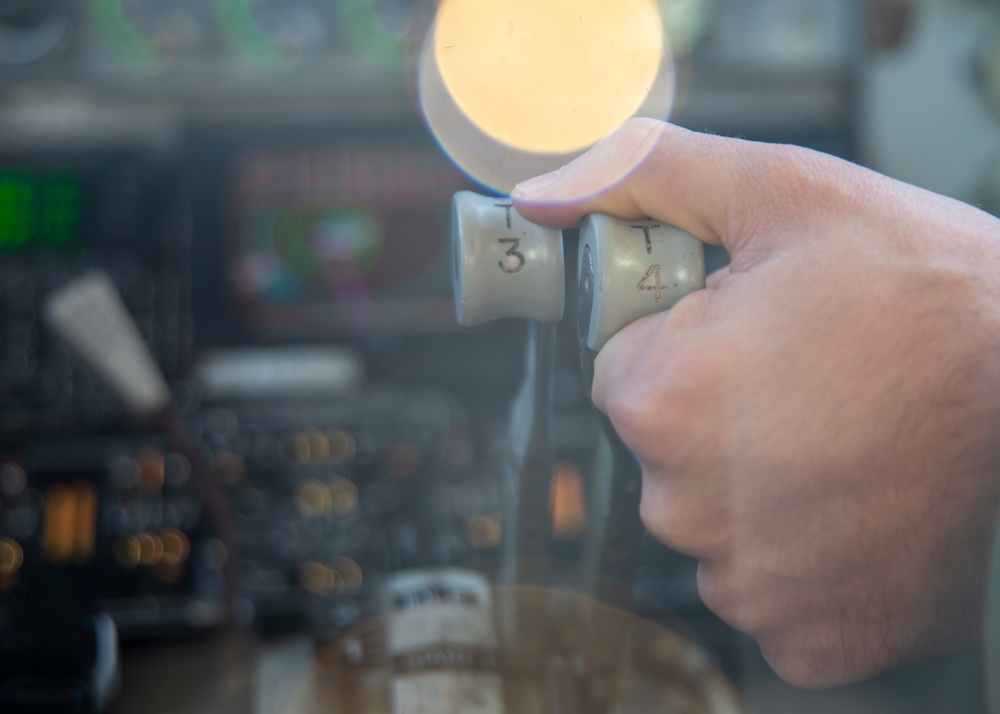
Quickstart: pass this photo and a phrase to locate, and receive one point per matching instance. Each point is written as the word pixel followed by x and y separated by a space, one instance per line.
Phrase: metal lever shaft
pixel 528 525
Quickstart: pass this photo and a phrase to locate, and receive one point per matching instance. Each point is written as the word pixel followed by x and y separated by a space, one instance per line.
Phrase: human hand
pixel 820 427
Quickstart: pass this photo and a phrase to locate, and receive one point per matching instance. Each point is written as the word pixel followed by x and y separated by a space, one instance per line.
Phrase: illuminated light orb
pixel 483 531
pixel 319 445
pixel 548 77
pixel 350 576
pixel 313 498
pixel 152 468
pixel 13 479
pixel 127 551
pixel 344 496
pixel 569 508
pixel 59 523
pixel 342 446
pixel 39 210
pixel 298 449
pixel 150 548
pixel 319 578
pixel 11 556
pixel 512 89
pixel 176 547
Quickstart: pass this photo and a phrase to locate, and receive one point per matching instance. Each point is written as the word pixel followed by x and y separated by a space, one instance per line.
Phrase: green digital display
pixel 39 209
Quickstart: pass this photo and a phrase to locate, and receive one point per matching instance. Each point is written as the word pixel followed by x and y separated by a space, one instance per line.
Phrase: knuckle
pixel 690 311
pixel 732 597
pixel 791 171
pixel 666 407
pixel 635 416
pixel 710 590
pixel 806 665
pixel 713 593
pixel 637 131
pixel 678 521
pixel 654 421
pixel 796 176
pixel 632 141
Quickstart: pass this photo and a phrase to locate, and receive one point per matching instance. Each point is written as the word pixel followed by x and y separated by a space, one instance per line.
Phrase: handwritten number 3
pixel 513 252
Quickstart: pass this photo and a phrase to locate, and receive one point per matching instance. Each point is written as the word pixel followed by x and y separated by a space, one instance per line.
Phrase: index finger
pixel 710 186
pixel 629 174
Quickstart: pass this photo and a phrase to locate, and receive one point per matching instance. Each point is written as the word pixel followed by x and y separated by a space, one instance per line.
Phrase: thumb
pixel 710 186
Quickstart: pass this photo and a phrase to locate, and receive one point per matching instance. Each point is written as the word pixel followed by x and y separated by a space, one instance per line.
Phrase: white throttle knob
pixel 504 265
pixel 629 269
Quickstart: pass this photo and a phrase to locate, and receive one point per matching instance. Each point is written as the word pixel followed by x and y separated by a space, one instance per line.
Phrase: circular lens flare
pixel 548 77
pixel 127 44
pixel 512 89
pixel 251 42
pixel 380 37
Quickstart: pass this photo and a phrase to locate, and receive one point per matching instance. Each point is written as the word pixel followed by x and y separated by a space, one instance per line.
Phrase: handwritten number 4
pixel 657 286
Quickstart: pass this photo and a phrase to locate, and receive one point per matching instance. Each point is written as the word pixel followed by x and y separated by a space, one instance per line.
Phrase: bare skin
pixel 820 427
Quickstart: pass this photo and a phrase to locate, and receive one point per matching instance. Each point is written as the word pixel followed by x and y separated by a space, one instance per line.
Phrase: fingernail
pixel 526 189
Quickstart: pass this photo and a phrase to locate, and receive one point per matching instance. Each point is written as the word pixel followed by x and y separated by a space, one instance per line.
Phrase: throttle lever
pixel 627 269
pixel 508 267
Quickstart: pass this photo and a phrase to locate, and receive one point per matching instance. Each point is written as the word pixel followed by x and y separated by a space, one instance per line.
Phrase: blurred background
pixel 267 183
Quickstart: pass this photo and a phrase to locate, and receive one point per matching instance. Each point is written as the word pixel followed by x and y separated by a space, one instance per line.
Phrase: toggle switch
pixel 504 265
pixel 629 269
